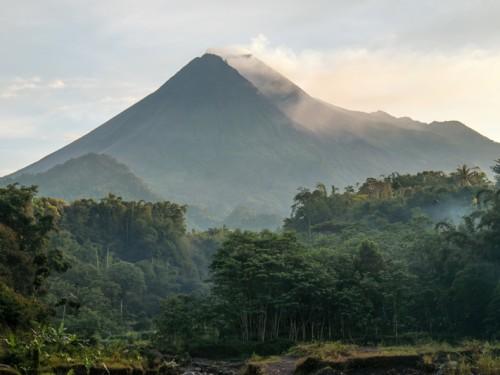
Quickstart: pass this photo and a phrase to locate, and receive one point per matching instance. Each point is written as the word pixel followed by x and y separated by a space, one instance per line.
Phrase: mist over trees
pixel 393 258
pixel 368 264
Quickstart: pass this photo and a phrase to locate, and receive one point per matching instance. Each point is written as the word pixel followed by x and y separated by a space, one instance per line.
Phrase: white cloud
pixel 403 56
pixel 126 100
pixel 71 136
pixel 5 172
pixel 19 86
pixel 14 128
pixel 57 84
pixel 460 85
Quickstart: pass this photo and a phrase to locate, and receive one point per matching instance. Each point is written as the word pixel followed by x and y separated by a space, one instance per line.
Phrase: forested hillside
pixel 372 263
pixel 88 176
pixel 398 258
pixel 126 257
pixel 26 260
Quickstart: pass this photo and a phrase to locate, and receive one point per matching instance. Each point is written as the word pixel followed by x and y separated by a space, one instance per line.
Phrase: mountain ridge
pixel 220 135
pixel 88 176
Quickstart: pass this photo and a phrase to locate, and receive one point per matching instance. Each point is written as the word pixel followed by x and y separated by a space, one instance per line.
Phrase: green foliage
pixel 33 350
pixel 496 171
pixel 367 266
pixel 91 176
pixel 492 319
pixel 18 311
pixel 488 364
pixel 378 202
pixel 180 322
pixel 43 347
pixel 264 275
pixel 26 260
pixel 326 350
pixel 127 257
pixel 134 231
pixel 269 286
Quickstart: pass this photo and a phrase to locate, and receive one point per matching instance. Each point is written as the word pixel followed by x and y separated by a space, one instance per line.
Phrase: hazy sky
pixel 67 66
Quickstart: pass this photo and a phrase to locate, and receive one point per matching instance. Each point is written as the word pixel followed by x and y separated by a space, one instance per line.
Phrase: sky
pixel 68 66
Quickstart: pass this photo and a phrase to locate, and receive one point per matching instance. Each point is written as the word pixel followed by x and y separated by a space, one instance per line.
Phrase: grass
pixel 462 359
pixel 263 360
pixel 488 364
pixel 323 350
pixel 332 350
pixel 90 357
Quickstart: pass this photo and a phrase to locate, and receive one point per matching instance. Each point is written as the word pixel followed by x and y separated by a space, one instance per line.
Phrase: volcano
pixel 228 131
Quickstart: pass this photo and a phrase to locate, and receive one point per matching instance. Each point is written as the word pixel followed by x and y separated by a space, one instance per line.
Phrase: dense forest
pixel 121 258
pixel 399 257
pixel 372 263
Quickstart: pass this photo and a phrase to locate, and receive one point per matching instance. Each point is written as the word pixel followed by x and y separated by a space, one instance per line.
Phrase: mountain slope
pixel 88 176
pixel 206 137
pixel 228 132
pixel 439 145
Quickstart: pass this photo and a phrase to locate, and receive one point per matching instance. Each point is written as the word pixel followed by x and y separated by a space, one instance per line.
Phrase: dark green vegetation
pixel 95 269
pixel 394 259
pixel 26 260
pixel 470 357
pixel 123 258
pixel 367 264
pixel 96 175
pixel 227 133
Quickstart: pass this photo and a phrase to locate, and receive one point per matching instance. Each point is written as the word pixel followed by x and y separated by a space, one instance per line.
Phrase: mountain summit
pixel 229 130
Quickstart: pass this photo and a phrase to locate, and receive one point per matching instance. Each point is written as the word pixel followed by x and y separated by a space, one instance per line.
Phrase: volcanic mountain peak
pixel 203 77
pixel 270 82
pixel 317 116
pixel 230 131
pixel 311 114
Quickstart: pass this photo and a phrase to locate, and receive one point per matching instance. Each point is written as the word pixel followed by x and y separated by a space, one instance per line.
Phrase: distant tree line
pixel 393 258
pixel 371 263
pixel 120 260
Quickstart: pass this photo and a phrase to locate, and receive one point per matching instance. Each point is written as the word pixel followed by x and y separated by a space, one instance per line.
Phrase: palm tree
pixel 321 189
pixel 466 175
pixel 483 197
pixel 301 207
pixel 496 171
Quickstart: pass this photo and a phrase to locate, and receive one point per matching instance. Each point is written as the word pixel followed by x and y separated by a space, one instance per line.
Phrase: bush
pixel 17 311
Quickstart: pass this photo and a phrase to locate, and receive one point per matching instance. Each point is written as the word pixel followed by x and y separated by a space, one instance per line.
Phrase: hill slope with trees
pixel 88 176
pixel 395 259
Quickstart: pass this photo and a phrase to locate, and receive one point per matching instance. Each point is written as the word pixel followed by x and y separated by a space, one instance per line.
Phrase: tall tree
pixel 496 171
pixel 25 259
pixel 467 176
